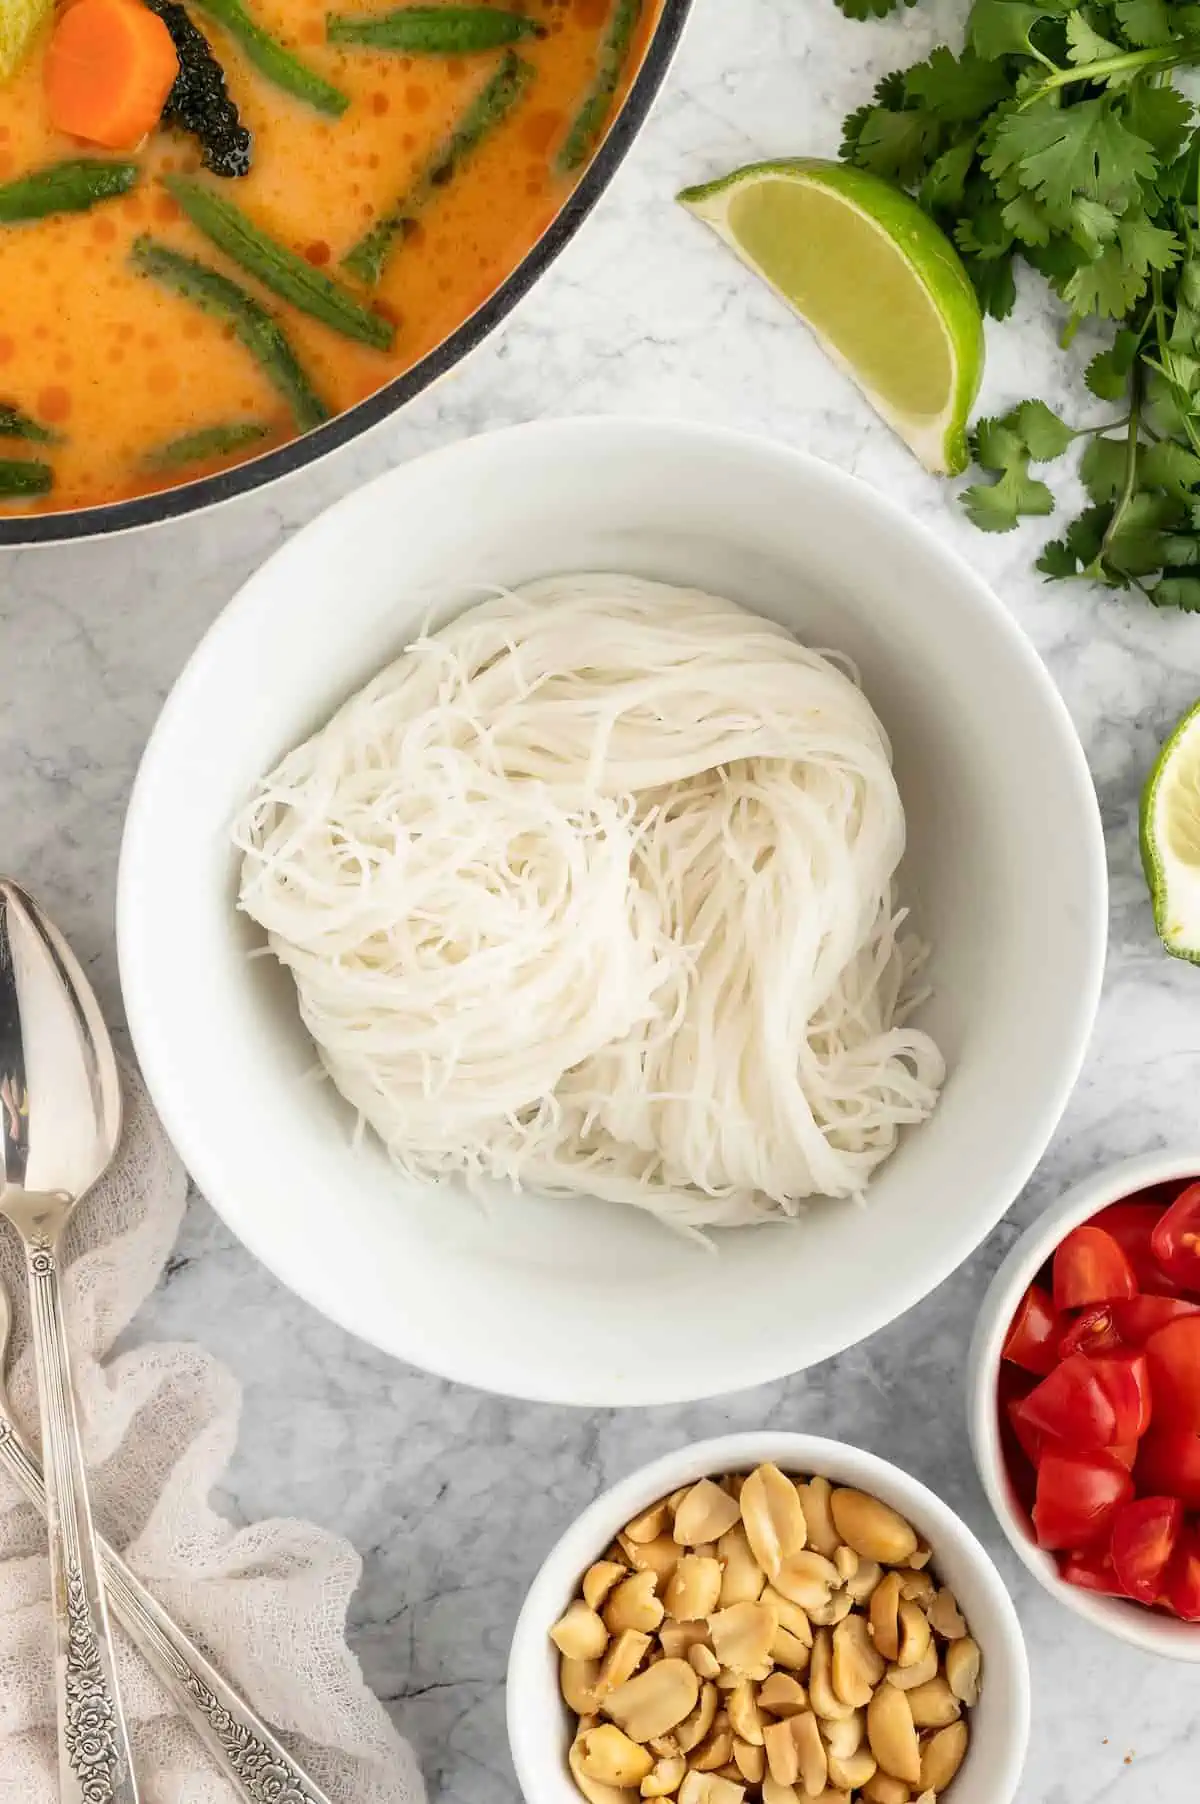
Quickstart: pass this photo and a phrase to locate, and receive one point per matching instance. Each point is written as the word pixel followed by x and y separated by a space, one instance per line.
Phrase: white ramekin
pixel 1131 1622
pixel 538 1720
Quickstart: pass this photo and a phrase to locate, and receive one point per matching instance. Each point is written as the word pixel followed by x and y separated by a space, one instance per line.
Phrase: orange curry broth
pixel 121 366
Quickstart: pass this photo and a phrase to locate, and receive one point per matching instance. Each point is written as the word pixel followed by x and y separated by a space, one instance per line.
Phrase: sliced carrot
pixel 109 68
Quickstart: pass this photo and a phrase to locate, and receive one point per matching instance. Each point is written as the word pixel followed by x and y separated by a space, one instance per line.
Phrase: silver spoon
pixel 60 1121
pixel 239 1742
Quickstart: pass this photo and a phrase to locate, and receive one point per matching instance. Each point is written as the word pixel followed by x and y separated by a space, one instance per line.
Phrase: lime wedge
pixel 881 287
pixel 1170 834
pixel 20 21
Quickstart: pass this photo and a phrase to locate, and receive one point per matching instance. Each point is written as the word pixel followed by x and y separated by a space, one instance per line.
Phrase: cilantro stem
pixel 1183 50
pixel 1129 481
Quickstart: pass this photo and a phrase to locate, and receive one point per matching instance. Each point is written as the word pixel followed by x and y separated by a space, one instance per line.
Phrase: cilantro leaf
pixel 945 184
pixel 1170 466
pixel 998 28
pixel 1085 45
pixel 1134 543
pixel 957 89
pixel 1102 469
pixel 1177 592
pixel 1160 116
pixel 992 279
pixel 871 9
pixel 1144 22
pixel 897 146
pixel 1057 560
pixel 1060 152
pixel 1111 283
pixel 997 506
pixel 1108 373
pixel 1040 430
pixel 996 444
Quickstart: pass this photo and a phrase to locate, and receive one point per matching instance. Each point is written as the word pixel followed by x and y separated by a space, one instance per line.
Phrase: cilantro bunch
pixel 1056 139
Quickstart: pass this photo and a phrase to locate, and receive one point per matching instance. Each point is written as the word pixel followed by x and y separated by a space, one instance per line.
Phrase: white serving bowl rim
pixel 538 1721
pixel 1130 1622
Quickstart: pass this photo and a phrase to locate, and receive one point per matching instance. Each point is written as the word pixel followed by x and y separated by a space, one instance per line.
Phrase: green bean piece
pixel 208 442
pixel 70 187
pixel 257 329
pixel 16 424
pixel 432 30
pixel 492 104
pixel 21 478
pixel 592 116
pixel 274 60
pixel 289 276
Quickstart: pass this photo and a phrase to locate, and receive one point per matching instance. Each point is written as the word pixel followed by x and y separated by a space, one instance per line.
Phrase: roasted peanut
pixel 772 1517
pixel 664 1777
pixel 742 1637
pixel 862 1583
pixel 703 1661
pixel 922 1556
pixel 821 1694
pixel 846 1561
pixel 918 1587
pixel 774 1793
pixel 659 1557
pixel 790 1616
pixel 883 1789
pixel 750 1760
pixel 845 1736
pixel 915 1634
pixel 874 1530
pixel 622 1658
pixel 933 1704
pixel 655 1701
pixel 857 1665
pixel 814 1501
pixel 594 1790
pixel 710 1788
pixel 893 1736
pixel 715 1751
pixel 788 1650
pixel 607 1754
pixel 704 1514
pixel 807 1579
pixel 633 1604
pixel 579 1633
pixel 907 1678
pixel 693 1729
pixel 810 1753
pixel 781 1695
pixel 694 1588
pixel 650 1524
pixel 677 1639
pixel 962 1669
pixel 577 1682
pixel 599 1580
pixel 742 1578
pixel 745 1717
pixel 884 1615
pixel 852 1772
pixel 783 1756
pixel 941 1757
pixel 944 1616
pixel 835 1609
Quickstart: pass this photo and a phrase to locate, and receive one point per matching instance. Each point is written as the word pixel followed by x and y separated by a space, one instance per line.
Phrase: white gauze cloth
pixel 268 1602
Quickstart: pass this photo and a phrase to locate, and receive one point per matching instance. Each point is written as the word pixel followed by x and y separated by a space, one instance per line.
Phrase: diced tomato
pixel 1089 1267
pixel 1137 1318
pixel 1074 1406
pixel 1132 1224
pixel 1013 1384
pixel 1181 1587
pixel 1144 1534
pixel 1091 1572
pixel 1035 1332
pixel 1077 1494
pixel 1173 1354
pixel 1175 1241
pixel 1125 1378
pixel 1126 1452
pixel 1030 1439
pixel 1095 1331
pixel 1168 1461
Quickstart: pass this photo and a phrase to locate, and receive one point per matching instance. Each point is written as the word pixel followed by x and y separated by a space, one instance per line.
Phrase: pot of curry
pixel 236 233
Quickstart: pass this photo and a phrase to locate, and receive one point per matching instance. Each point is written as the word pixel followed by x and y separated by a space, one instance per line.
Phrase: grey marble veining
pixel 452 1497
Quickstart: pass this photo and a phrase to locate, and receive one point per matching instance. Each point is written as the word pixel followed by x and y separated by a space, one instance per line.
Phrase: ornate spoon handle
pixel 238 1740
pixel 94 1762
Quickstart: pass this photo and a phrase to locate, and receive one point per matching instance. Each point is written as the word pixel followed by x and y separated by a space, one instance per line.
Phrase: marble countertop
pixel 453 1497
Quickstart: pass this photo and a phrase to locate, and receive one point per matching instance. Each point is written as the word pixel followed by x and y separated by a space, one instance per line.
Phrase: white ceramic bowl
pixel 539 1723
pixel 584 1302
pixel 1130 1622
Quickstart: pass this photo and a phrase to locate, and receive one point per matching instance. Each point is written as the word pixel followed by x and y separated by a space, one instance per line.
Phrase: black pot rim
pixel 172 504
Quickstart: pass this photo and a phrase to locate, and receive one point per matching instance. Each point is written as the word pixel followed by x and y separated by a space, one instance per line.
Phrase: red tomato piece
pixel 1137 1318
pixel 1181 1588
pixel 1091 1572
pixel 1089 1267
pixel 1035 1332
pixel 1073 1406
pixel 1095 1331
pixel 1131 1224
pixel 1168 1461
pixel 1126 1452
pixel 1125 1378
pixel 1173 1354
pixel 1144 1534
pixel 1175 1241
pixel 1030 1439
pixel 1012 1385
pixel 1077 1494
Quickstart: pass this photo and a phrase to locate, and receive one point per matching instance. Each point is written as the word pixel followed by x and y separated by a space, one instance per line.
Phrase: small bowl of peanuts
pixel 768 1619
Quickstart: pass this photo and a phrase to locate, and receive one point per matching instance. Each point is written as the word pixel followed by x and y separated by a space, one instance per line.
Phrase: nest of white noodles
pixel 592 891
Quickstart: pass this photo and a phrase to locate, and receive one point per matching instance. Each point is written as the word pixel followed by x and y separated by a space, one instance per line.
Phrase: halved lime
pixel 879 284
pixel 20 20
pixel 1170 835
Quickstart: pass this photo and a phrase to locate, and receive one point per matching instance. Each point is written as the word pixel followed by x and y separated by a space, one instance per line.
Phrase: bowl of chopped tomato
pixel 1085 1401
